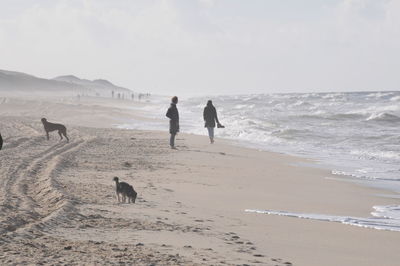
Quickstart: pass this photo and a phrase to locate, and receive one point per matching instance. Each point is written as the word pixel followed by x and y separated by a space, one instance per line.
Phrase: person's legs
pixel 172 140
pixel 211 134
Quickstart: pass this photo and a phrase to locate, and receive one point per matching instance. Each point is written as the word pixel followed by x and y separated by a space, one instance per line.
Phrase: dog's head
pixel 116 179
pixel 44 120
pixel 133 195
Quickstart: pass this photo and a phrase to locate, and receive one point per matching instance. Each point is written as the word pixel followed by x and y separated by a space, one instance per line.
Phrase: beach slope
pixel 58 201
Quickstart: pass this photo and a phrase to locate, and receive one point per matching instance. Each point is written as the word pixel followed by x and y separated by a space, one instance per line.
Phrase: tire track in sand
pixel 30 192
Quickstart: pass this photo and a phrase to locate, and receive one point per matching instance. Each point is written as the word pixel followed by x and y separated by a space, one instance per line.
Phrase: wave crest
pixel 384 117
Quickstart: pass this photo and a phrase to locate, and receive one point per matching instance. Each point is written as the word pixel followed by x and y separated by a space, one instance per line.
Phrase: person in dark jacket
pixel 173 115
pixel 1 142
pixel 210 117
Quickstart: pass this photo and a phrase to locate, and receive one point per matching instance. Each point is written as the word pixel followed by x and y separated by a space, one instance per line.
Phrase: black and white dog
pixel 125 190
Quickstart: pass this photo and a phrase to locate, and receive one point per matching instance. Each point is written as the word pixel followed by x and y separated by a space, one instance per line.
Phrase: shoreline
pixel 124 109
pixel 307 162
pixel 191 201
pixel 317 161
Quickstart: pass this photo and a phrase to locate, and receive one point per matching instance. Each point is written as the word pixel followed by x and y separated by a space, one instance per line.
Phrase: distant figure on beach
pixel 1 142
pixel 49 127
pixel 173 115
pixel 210 117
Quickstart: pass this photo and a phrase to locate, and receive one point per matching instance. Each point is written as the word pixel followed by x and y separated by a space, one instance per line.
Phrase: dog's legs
pixel 65 135
pixel 118 197
pixel 59 133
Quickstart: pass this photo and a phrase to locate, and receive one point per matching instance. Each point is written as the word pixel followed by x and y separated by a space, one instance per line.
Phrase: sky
pixel 195 47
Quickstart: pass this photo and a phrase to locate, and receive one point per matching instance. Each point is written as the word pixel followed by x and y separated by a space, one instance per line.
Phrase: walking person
pixel 1 142
pixel 210 117
pixel 173 115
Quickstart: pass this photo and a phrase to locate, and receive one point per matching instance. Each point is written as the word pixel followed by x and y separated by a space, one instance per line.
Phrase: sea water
pixel 355 134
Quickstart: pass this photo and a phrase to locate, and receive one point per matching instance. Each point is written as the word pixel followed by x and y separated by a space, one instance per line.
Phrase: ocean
pixel 354 134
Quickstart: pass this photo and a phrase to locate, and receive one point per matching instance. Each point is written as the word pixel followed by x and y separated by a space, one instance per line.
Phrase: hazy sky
pixel 207 46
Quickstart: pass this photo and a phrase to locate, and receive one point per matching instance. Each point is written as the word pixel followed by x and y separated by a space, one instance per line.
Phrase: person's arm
pixel 204 114
pixel 177 119
pixel 168 114
pixel 216 117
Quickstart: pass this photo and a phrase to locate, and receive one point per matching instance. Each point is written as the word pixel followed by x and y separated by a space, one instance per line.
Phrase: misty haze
pixel 199 132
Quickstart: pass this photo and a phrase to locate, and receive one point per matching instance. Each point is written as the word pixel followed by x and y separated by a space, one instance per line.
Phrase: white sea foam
pixel 395 99
pixel 374 155
pixel 384 217
pixel 384 117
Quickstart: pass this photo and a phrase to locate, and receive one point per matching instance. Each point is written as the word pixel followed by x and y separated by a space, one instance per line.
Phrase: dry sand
pixel 58 202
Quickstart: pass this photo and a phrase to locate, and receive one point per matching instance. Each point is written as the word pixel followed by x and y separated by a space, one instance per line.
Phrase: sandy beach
pixel 58 202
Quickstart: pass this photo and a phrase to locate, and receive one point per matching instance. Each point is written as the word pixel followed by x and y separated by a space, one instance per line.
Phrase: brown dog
pixel 49 127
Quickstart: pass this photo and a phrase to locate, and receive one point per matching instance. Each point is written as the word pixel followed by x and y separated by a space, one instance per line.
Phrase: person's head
pixel 174 100
pixel 209 103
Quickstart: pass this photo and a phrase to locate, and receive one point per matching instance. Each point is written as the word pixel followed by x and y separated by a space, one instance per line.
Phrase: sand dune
pixel 14 83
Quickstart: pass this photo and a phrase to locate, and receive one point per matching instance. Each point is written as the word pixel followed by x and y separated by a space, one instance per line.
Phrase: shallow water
pixel 383 217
